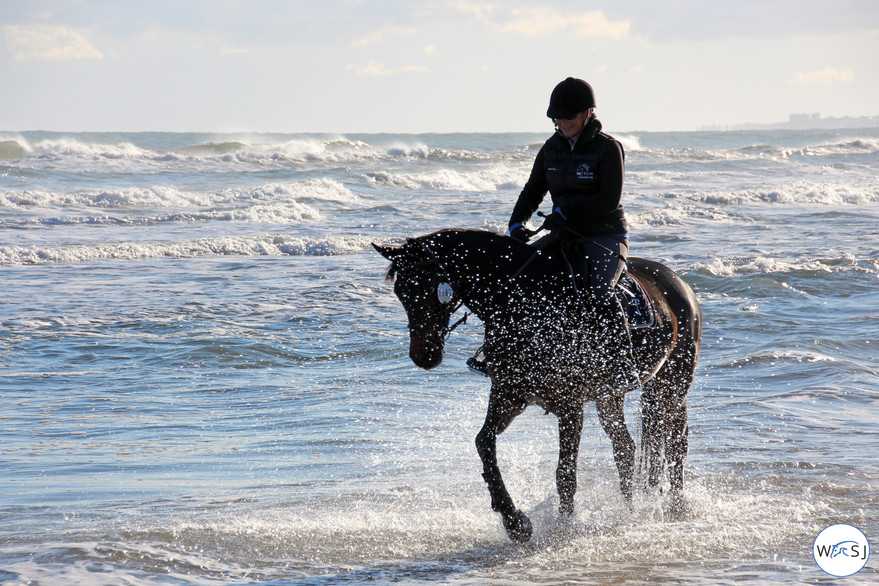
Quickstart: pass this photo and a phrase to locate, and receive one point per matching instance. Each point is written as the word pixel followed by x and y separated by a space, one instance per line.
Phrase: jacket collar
pixel 590 131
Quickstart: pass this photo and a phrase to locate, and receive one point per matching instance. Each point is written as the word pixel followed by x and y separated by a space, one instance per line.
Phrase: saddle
pixel 634 301
pixel 630 294
pixel 632 298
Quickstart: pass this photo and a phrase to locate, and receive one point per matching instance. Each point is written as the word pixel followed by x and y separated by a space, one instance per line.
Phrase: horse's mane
pixel 391 273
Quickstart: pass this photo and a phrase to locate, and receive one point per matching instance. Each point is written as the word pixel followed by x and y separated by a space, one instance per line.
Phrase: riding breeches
pixel 596 263
pixel 605 257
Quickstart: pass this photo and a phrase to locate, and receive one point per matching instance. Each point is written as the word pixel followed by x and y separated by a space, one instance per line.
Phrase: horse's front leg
pixel 613 421
pixel 501 412
pixel 570 430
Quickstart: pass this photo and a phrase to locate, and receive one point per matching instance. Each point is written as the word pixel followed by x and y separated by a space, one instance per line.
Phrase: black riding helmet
pixel 569 98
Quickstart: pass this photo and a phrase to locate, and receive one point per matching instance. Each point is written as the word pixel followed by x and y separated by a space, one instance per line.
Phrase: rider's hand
pixel 554 221
pixel 522 233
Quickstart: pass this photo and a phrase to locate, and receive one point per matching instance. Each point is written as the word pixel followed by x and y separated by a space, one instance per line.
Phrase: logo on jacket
pixel 584 172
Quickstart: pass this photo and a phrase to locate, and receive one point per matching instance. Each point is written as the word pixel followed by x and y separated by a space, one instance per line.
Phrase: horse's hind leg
pixel 570 429
pixel 677 445
pixel 654 427
pixel 501 412
pixel 664 420
pixel 610 413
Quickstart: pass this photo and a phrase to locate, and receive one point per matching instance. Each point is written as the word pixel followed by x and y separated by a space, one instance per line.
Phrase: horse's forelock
pixel 391 273
pixel 407 256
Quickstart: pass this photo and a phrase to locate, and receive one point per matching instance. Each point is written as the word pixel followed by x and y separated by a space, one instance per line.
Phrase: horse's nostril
pixel 425 353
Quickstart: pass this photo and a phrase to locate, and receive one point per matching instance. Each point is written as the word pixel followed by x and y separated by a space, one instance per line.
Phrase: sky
pixel 412 66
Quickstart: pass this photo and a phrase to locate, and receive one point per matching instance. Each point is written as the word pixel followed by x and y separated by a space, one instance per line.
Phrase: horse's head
pixel 427 296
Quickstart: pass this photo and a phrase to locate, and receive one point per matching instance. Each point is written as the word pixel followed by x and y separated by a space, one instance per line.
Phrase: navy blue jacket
pixel 585 181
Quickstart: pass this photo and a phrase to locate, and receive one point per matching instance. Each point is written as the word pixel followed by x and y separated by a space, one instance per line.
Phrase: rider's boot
pixel 627 376
pixel 624 371
pixel 477 363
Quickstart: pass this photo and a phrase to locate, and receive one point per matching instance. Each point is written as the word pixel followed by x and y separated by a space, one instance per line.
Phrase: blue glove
pixel 522 233
pixel 554 221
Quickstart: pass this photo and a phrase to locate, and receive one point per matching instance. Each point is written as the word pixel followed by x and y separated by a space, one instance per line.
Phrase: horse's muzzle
pixel 425 351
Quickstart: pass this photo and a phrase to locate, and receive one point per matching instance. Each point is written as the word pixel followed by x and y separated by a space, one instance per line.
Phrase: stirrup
pixel 625 382
pixel 477 363
pixel 627 377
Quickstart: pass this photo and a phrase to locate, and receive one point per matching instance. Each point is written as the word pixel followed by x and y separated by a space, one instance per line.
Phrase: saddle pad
pixel 635 302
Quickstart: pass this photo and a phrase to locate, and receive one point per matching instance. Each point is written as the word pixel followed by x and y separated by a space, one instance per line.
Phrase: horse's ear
pixel 389 252
pixel 418 251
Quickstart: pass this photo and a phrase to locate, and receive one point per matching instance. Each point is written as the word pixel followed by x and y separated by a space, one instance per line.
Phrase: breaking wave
pixel 265 245
pixel 824 192
pixel 275 152
pixel 800 192
pixel 12 149
pixel 294 151
pixel 279 202
pixel 485 179
pixel 840 151
pixel 764 265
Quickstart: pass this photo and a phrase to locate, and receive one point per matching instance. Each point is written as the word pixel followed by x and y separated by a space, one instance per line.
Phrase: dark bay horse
pixel 541 348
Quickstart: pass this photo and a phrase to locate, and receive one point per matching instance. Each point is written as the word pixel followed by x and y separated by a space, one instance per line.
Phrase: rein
pixel 447 331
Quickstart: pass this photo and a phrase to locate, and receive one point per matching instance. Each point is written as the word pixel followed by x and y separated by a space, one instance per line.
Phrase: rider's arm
pixel 532 194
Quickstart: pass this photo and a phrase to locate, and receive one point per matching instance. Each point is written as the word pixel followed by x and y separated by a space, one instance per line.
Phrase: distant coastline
pixel 805 122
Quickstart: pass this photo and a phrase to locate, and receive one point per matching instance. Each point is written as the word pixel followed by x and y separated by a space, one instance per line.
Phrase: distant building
pixel 803 120
pixel 812 121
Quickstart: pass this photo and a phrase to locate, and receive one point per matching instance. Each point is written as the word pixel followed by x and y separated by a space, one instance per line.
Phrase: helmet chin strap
pixel 586 120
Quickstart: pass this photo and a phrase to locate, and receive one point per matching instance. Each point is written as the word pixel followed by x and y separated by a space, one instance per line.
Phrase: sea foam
pixel 265 245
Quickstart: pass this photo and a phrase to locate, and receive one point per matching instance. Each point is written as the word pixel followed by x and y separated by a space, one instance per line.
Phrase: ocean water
pixel 204 377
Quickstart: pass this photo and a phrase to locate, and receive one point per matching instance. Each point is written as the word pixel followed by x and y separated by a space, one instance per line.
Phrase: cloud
pixel 375 69
pixel 545 21
pixel 371 69
pixel 681 20
pixel 478 11
pixel 826 76
pixel 54 43
pixel 379 35
pixel 541 21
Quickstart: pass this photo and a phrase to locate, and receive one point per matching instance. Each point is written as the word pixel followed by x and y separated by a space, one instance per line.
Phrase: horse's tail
pixel 664 429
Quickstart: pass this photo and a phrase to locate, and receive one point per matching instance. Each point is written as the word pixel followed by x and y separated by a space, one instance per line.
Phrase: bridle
pixel 445 292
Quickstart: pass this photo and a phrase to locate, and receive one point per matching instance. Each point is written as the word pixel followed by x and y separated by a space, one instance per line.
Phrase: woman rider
pixel 582 169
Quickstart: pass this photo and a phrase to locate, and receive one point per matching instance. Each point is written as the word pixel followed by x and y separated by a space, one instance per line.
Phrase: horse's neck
pixel 503 281
pixel 488 268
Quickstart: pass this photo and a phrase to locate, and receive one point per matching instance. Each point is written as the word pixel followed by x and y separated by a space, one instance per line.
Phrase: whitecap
pixel 12 149
pixel 630 142
pixel 266 245
pixel 276 202
pixel 764 265
pixel 493 178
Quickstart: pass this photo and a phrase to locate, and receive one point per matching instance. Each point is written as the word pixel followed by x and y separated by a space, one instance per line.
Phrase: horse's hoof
pixel 677 508
pixel 566 510
pixel 518 527
pixel 626 490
